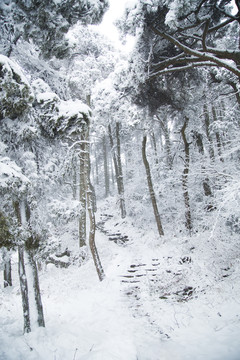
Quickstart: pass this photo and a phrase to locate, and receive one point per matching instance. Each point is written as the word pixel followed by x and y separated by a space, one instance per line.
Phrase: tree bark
pixel 36 288
pixel 92 221
pixel 24 290
pixel 118 172
pixel 199 142
pixel 23 277
pixel 92 232
pixel 218 138
pixel 106 170
pixel 82 192
pixel 24 218
pixel 188 217
pixel 30 250
pixel 74 177
pixel 7 272
pixel 165 130
pixel 150 187
pixel 154 145
pixel 207 125
pixel 96 168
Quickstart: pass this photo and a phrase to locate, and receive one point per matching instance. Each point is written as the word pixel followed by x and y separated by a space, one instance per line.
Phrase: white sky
pixel 107 28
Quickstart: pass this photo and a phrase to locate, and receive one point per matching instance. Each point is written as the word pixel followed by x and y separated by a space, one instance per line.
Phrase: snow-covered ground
pixel 162 299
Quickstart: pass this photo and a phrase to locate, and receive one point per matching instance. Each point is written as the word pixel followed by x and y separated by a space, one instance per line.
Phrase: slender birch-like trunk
pixel 34 270
pixel 82 192
pixel 188 215
pixel 151 189
pixel 23 215
pixel 118 168
pixel 207 129
pixel 7 272
pixel 23 277
pixel 91 213
pixel 166 135
pixel 217 134
pixel 120 173
pixel 106 170
pixel 24 290
pixel 36 288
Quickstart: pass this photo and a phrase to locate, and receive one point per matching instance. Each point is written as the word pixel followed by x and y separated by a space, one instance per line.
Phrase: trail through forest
pixel 119 180
pixel 165 302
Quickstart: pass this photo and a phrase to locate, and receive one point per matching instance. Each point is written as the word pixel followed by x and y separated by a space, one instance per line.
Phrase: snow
pixel 10 173
pixel 67 108
pixel 47 96
pixel 112 320
pixel 72 107
pixel 11 66
pixel 175 297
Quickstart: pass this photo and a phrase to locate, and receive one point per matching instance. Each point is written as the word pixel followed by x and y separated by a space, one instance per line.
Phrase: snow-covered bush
pixel 58 117
pixel 15 95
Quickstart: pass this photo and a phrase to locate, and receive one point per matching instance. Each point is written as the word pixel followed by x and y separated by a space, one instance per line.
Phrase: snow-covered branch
pixel 200 54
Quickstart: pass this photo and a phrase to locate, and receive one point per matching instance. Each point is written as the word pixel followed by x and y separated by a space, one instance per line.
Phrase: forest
pixel 119 180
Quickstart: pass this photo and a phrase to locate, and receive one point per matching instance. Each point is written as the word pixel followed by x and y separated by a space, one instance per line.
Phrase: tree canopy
pixel 45 22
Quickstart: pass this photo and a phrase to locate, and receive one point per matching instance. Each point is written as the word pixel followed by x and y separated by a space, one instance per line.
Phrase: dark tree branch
pixel 180 68
pixel 204 36
pixel 221 25
pixel 200 54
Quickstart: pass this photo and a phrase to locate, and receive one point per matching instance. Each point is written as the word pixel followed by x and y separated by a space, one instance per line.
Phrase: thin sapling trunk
pixel 150 187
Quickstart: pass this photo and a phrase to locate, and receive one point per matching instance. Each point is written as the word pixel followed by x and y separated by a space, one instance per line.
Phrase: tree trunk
pixel 218 138
pixel 22 276
pixel 74 177
pixel 199 142
pixel 235 88
pixel 36 288
pixel 92 231
pixel 23 216
pixel 96 168
pixel 113 178
pixel 150 187
pixel 82 193
pixel 106 170
pixel 113 155
pixel 24 290
pixel 154 145
pixel 34 270
pixel 207 125
pixel 188 216
pixel 165 130
pixel 120 173
pixel 119 177
pixel 7 272
pixel 91 207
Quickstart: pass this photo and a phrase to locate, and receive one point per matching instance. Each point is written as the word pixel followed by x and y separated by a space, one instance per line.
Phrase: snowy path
pixel 173 300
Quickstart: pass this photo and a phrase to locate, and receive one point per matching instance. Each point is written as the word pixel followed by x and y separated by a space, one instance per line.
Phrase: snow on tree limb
pixel 203 56
pixel 16 95
pixel 11 177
